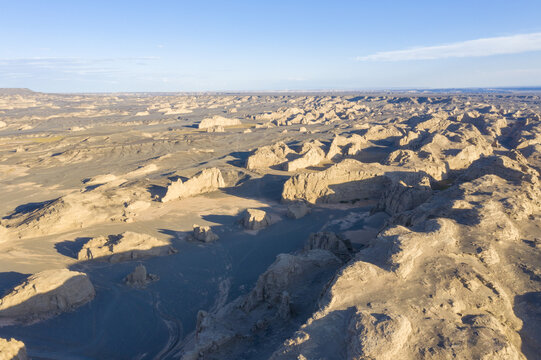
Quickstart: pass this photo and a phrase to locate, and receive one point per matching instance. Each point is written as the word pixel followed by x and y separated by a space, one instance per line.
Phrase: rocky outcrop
pixel 139 278
pixel 318 186
pixel 332 242
pixel 206 181
pixel 376 336
pixel 12 350
pixel 490 124
pixel 267 156
pixel 400 197
pixel 124 247
pixel 439 153
pixel 382 132
pixel 218 120
pixel 203 234
pixel 79 210
pixel 349 180
pixel 288 287
pixel 255 219
pixel 297 210
pixel 432 280
pixel 345 146
pixel 44 295
pixel 283 274
pixel 312 157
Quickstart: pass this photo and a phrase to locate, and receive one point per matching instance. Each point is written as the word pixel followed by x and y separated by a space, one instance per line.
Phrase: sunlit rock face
pixel 12 350
pixel 206 181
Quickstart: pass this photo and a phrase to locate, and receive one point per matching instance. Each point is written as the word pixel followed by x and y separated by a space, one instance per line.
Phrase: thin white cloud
pixel 514 44
pixel 73 65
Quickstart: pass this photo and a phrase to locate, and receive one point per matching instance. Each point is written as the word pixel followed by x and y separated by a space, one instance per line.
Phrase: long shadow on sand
pixel 28 208
pixel 71 248
pixel 10 279
pixel 240 158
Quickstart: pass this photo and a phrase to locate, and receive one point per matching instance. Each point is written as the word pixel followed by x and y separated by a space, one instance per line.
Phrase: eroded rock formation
pixel 12 350
pixel 139 278
pixel 216 121
pixel 255 219
pixel 206 181
pixel 45 294
pixel 203 234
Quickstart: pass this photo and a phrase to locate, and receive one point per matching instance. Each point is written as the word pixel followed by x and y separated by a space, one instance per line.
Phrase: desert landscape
pixel 367 225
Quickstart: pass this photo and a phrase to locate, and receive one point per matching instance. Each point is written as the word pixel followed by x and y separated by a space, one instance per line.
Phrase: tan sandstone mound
pixel 206 181
pixel 80 209
pixel 218 121
pixel 349 180
pixel 46 294
pixel 139 278
pixel 12 350
pixel 267 156
pixel 255 219
pixel 312 157
pixel 203 234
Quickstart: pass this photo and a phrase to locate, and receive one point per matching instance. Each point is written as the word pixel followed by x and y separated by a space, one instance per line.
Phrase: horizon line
pixel 323 90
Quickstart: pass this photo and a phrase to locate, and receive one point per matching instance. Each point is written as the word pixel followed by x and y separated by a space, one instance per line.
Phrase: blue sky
pixel 83 46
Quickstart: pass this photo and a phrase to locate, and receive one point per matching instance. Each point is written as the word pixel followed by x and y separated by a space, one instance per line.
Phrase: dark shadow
pixel 528 308
pixel 389 141
pixel 240 158
pixel 359 98
pixel 28 208
pixel 354 191
pixel 71 248
pixel 177 177
pixel 451 152
pixel 401 100
pixel 223 220
pixel 92 187
pixel 418 119
pixel 267 187
pixel 157 191
pixel 492 165
pixel 373 154
pixel 174 234
pixel 10 279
